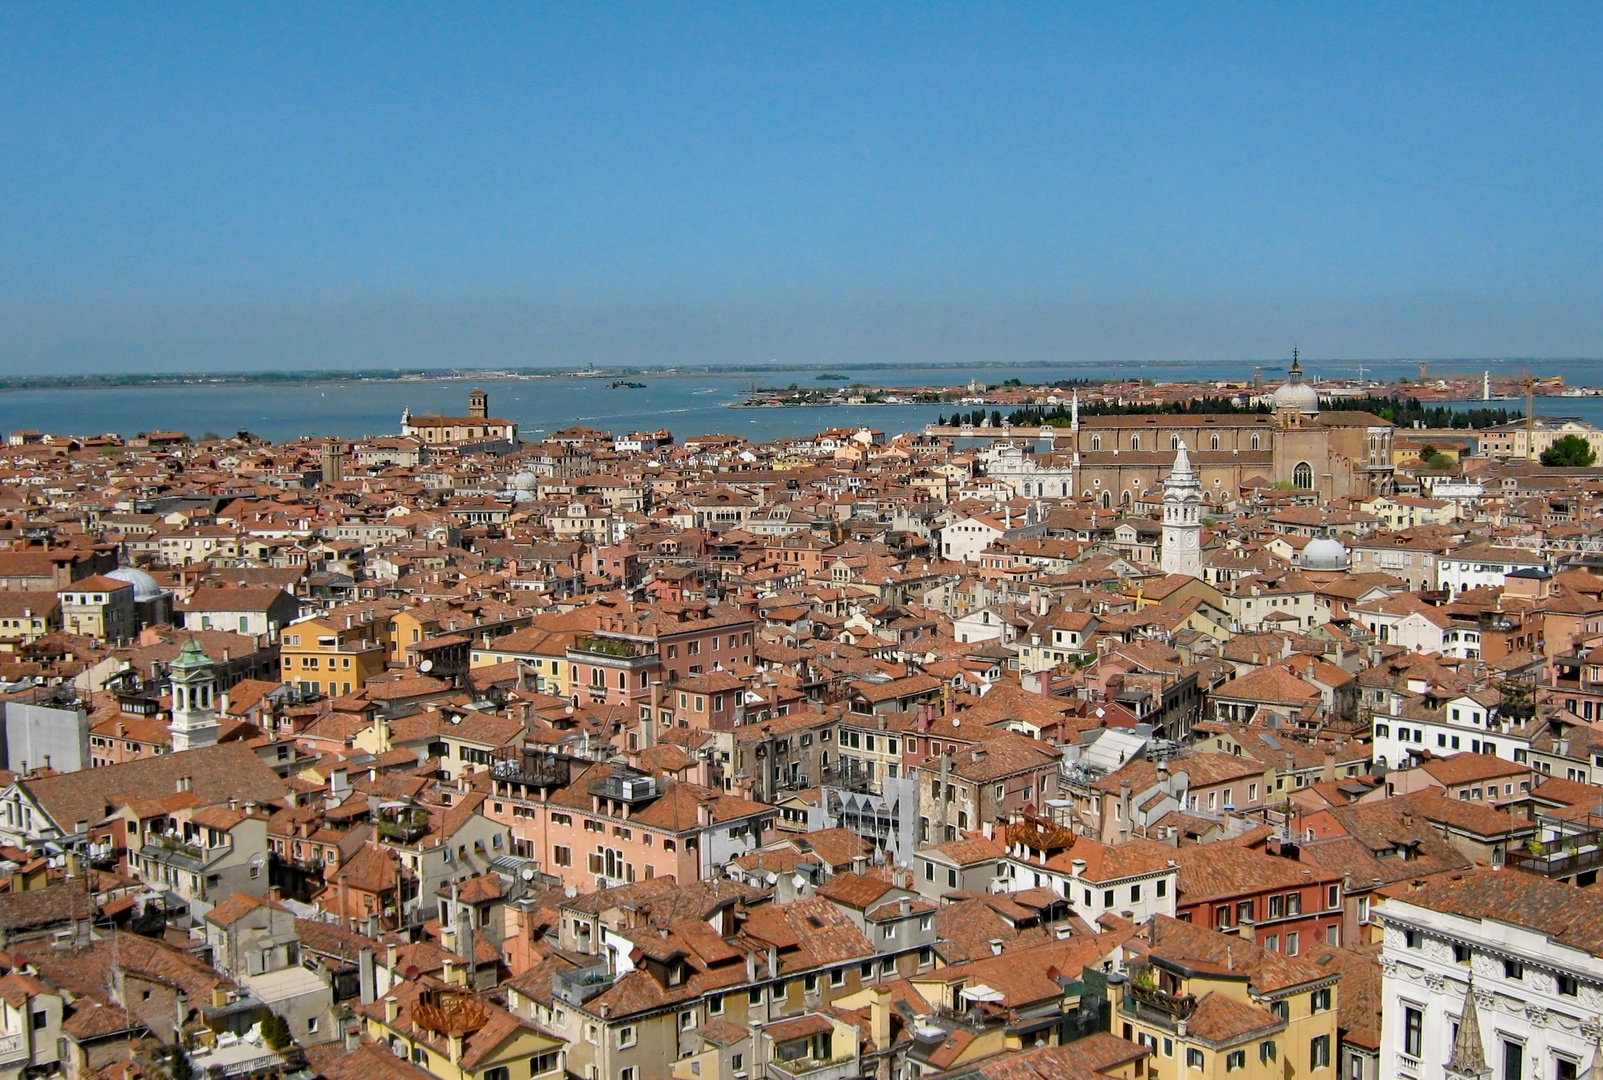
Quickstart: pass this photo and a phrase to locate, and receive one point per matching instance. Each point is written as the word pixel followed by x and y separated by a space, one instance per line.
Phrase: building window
pixel 1194 1058
pixel 1513 1060
pixel 1319 1000
pixel 1236 1059
pixel 1568 986
pixel 1319 1052
pixel 1513 969
pixel 1266 1050
pixel 1413 1031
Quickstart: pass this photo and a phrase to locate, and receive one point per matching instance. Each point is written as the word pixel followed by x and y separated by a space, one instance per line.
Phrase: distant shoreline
pixel 322 378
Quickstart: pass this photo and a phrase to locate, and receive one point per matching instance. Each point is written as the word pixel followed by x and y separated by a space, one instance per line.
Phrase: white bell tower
pixel 194 690
pixel 1182 518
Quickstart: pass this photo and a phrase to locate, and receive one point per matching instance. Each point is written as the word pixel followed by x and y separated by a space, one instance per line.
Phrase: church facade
pixel 476 427
pixel 1116 461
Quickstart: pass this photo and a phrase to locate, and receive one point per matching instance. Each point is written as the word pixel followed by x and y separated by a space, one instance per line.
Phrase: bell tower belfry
pixel 1182 518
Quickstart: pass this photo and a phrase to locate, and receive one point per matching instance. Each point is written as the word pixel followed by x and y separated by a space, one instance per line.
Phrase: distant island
pixel 829 376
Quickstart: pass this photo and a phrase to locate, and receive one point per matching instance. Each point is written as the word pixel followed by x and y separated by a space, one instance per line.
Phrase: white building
pixel 1135 879
pixel 1453 726
pixel 1482 566
pixel 1491 973
pixel 962 540
pixel 1027 475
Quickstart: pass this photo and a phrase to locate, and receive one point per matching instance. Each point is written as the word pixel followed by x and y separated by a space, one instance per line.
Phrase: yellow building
pixel 1408 511
pixel 1209 1004
pixel 544 652
pixel 454 1034
pixel 337 652
pixel 416 624
pixel 1514 441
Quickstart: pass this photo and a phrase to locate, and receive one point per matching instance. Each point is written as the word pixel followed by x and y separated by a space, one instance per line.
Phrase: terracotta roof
pixel 1565 914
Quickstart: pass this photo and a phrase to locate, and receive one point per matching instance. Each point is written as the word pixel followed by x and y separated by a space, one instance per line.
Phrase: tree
pixel 1569 452
pixel 1519 699
pixel 178 1067
pixel 275 1031
pixel 1433 458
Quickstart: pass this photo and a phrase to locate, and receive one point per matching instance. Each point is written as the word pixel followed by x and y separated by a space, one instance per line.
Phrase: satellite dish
pixel 799 881
pixel 528 873
pixel 257 860
pixel 426 666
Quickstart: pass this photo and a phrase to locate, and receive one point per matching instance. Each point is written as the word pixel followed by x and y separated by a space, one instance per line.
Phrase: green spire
pixel 191 656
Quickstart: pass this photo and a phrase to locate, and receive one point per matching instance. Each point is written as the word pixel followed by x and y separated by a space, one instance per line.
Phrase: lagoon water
pixel 685 402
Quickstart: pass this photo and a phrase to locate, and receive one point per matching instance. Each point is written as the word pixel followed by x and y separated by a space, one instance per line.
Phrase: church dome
pixel 1325 554
pixel 525 481
pixel 1296 394
pixel 145 587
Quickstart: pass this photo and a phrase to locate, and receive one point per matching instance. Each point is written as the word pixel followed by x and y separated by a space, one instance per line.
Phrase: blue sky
pixel 217 186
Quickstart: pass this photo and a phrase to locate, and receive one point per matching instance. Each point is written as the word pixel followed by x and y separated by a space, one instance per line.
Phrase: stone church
pixel 1118 460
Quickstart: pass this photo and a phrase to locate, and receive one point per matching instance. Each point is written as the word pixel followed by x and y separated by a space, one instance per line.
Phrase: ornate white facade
pixel 1537 1000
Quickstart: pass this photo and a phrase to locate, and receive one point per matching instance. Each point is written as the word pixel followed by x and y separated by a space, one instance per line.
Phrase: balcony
pixel 855 780
pixel 581 984
pixel 13 1048
pixel 613 653
pixel 401 824
pixel 1564 857
pixel 163 846
pixel 533 768
pixel 1157 1006
pixel 233 1059
pixel 809 1068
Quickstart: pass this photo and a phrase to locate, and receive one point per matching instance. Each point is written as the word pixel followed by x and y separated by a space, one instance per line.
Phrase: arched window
pixel 1124 499
pixel 1174 442
pixel 1303 476
pixel 1213 441
pixel 1135 442
pixel 1096 442
pixel 1107 500
pixel 1255 442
